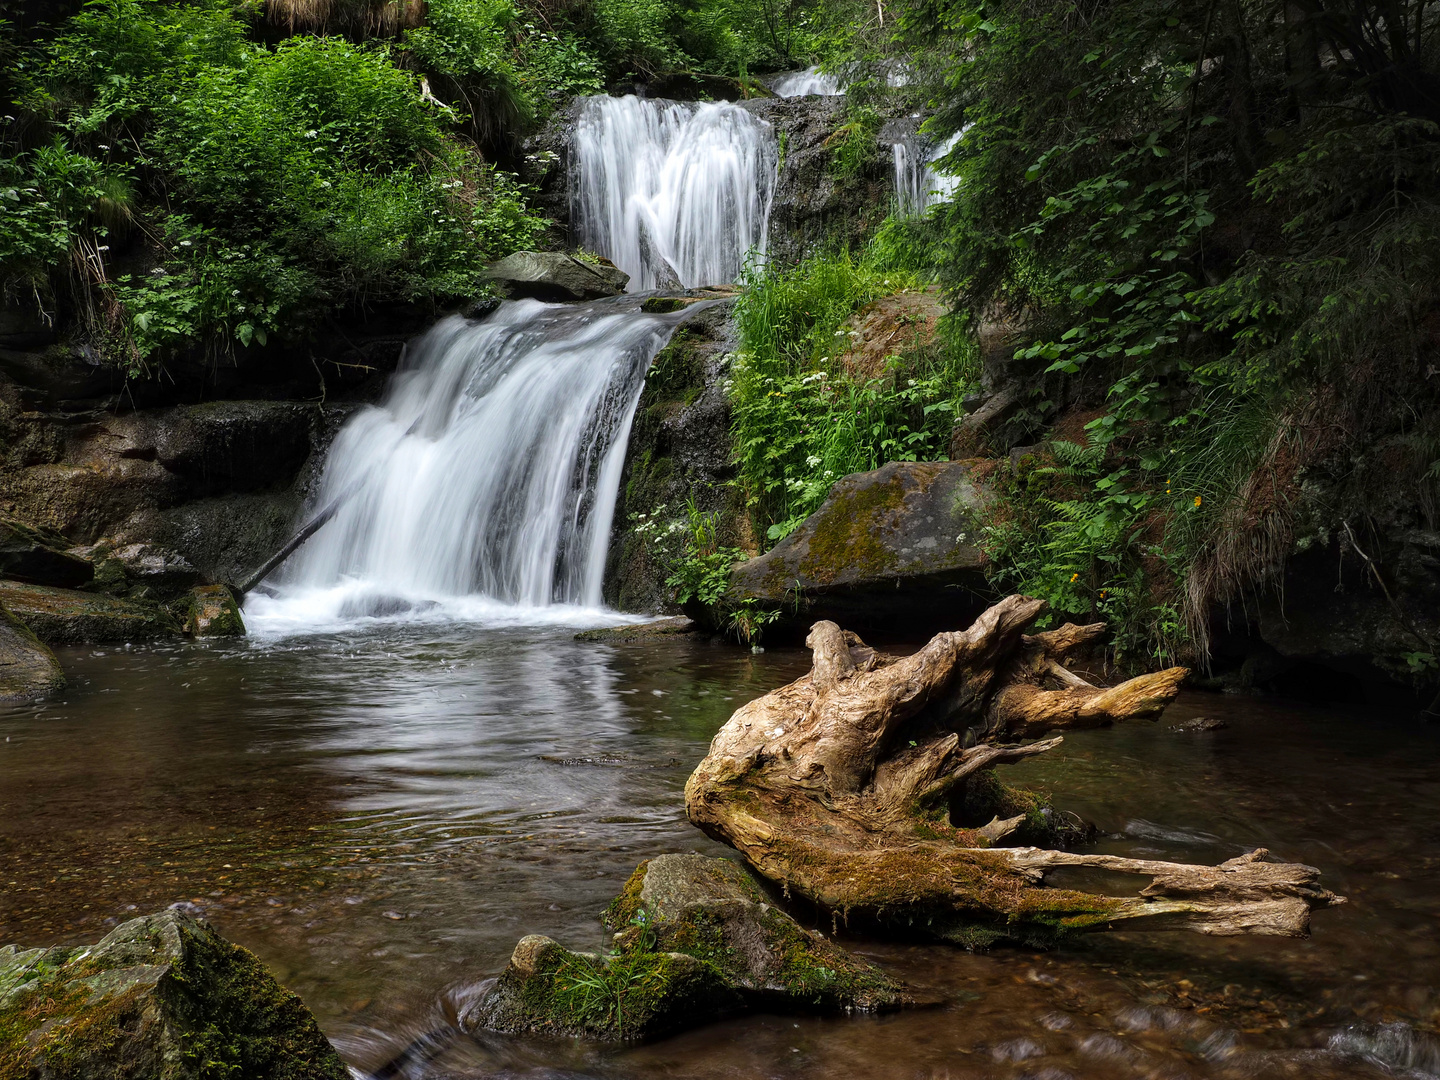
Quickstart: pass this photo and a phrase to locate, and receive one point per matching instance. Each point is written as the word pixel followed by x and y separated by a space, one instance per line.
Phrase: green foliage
pixel 1209 217
pixel 699 566
pixel 800 418
pixel 274 185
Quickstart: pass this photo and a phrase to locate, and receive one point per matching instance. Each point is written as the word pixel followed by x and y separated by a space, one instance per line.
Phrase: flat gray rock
pixel 553 275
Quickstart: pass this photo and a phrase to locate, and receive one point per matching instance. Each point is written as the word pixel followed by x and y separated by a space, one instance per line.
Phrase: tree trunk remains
pixel 839 788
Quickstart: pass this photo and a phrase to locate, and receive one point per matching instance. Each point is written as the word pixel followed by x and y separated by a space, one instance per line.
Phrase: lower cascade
pixel 673 193
pixel 487 474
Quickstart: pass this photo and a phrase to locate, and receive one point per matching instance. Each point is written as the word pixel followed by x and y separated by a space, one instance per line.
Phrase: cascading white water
pixel 807 82
pixel 672 193
pixel 488 475
pixel 917 184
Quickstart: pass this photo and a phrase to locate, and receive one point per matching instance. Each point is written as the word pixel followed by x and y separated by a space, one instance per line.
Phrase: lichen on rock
pixel 71 617
pixel 162 997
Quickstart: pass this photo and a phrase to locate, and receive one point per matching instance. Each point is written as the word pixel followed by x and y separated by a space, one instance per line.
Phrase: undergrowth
pixel 801 417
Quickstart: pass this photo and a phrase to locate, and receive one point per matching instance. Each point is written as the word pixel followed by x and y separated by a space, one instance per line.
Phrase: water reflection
pixel 381 814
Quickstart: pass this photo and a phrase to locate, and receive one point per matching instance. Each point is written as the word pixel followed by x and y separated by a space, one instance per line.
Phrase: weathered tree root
pixel 839 787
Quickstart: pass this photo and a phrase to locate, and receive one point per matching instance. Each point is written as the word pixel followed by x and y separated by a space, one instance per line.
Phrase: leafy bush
pixel 274 184
pixel 801 419
pixel 1218 225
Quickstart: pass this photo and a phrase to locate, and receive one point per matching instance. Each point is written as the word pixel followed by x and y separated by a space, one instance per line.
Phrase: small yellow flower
pixel 1074 577
pixel 1197 500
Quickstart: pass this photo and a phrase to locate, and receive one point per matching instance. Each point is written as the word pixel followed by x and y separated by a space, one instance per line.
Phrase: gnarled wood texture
pixel 839 786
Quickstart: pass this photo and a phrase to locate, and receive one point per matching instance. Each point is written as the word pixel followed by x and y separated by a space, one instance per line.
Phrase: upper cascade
pixel 674 193
pixel 490 470
pixel 917 184
pixel 807 82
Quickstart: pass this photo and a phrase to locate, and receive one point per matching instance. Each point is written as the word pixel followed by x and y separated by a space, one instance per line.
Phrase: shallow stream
pixel 381 813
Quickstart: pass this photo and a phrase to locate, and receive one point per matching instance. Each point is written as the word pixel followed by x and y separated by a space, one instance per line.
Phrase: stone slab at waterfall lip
pixel 551 275
pixel 887 547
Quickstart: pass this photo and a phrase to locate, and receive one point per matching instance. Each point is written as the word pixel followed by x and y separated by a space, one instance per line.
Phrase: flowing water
pixel 918 186
pixel 807 82
pixel 672 192
pixel 486 479
pixel 380 813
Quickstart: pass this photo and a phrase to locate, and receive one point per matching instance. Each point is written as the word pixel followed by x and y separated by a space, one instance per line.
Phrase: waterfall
pixel 809 81
pixel 672 193
pixel 917 185
pixel 487 476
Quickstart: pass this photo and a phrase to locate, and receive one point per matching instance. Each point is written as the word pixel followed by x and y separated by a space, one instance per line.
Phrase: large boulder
pixel 28 669
pixel 71 617
pixel 553 275
pixel 893 550
pixel 162 997
pixel 696 939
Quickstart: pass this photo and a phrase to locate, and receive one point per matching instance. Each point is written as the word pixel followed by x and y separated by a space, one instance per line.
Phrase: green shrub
pixel 800 420
pixel 275 184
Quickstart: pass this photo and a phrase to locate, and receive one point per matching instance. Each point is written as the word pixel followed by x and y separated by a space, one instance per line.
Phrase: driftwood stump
pixel 839 788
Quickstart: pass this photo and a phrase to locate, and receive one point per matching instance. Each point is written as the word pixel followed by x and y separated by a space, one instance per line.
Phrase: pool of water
pixel 382 811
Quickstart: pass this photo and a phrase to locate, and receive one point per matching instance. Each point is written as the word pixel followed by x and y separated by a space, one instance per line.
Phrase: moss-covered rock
pixel 71 617
pixel 28 669
pixel 679 450
pixel 696 939
pixel 212 611
pixel 893 549
pixel 162 997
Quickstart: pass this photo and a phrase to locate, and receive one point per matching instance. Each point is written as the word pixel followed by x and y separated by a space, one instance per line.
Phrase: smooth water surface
pixel 381 813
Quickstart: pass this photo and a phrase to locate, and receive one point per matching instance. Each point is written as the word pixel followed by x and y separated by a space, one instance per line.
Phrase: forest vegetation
pixel 1207 228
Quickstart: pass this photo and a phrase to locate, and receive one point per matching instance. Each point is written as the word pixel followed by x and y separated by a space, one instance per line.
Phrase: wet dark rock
pixel 696 939
pixel 679 450
pixel 71 617
pixel 893 549
pixel 813 204
pixel 162 997
pixel 481 308
pixel 1199 724
pixel 677 626
pixel 163 573
pixel 40 557
pixel 553 275
pixel 212 611
pixel 28 669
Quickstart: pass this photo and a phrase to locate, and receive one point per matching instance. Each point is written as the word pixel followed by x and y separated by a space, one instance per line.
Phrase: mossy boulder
pixel 71 617
pixel 212 611
pixel 696 939
pixel 28 669
pixel 892 550
pixel 162 997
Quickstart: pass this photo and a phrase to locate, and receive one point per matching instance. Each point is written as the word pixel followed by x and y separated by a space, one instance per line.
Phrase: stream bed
pixel 381 813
